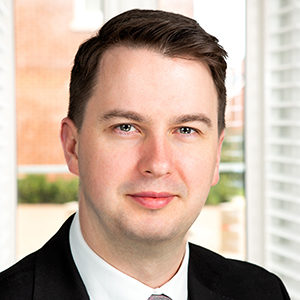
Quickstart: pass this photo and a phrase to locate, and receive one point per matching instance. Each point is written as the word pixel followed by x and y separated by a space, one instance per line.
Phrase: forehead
pixel 142 79
pixel 131 55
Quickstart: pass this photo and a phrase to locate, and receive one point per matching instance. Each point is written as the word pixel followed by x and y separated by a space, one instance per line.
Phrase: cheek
pixel 105 165
pixel 197 168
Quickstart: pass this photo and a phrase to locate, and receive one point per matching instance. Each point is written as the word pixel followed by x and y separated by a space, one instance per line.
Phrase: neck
pixel 150 262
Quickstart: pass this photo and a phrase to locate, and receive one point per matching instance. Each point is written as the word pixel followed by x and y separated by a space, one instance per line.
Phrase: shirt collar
pixel 103 281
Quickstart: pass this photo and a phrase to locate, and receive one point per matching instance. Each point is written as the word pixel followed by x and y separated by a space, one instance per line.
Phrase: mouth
pixel 152 200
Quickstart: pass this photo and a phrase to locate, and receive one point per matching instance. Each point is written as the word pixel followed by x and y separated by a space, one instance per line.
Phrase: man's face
pixel 148 150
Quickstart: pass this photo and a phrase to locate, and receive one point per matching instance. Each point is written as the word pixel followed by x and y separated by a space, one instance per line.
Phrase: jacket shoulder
pixel 234 278
pixel 17 281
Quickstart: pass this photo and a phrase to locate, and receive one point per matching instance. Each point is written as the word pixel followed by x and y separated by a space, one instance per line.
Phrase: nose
pixel 155 157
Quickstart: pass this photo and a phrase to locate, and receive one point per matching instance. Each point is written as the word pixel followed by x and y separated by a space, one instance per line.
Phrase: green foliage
pixel 38 189
pixel 230 185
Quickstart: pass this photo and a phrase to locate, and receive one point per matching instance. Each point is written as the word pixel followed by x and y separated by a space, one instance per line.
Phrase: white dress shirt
pixel 103 281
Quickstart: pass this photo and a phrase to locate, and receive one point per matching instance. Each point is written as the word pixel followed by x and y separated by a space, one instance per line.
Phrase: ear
pixel 216 172
pixel 69 140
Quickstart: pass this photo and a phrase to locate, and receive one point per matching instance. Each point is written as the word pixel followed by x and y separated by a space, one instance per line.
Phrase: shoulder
pixel 39 270
pixel 234 277
pixel 17 281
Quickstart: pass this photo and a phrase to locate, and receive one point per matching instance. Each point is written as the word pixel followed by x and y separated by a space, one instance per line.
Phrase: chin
pixel 156 234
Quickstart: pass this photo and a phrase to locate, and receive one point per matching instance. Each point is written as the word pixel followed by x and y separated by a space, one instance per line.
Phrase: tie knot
pixel 159 297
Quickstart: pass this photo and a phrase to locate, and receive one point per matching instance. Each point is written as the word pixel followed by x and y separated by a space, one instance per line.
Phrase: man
pixel 144 134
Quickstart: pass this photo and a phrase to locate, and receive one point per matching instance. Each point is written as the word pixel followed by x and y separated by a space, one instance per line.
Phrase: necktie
pixel 159 297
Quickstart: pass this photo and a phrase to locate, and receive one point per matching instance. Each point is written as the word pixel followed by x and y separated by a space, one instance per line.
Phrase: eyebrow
pixel 192 118
pixel 117 113
pixel 131 115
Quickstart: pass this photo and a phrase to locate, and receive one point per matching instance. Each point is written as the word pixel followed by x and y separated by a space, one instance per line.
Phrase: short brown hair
pixel 169 33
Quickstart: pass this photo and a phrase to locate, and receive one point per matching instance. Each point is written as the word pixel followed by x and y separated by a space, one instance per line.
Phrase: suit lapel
pixel 56 276
pixel 204 275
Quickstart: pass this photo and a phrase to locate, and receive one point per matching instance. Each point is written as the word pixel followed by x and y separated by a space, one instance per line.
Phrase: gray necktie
pixel 159 297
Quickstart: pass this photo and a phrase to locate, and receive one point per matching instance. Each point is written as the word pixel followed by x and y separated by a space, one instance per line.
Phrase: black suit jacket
pixel 50 273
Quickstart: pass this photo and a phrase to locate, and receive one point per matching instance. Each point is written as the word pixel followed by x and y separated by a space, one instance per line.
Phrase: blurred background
pixel 252 214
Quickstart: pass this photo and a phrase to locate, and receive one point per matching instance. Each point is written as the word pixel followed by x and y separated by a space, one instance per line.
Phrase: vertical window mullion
pixel 8 196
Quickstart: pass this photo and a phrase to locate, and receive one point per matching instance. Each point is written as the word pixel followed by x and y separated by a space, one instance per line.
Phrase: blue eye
pixel 125 127
pixel 186 130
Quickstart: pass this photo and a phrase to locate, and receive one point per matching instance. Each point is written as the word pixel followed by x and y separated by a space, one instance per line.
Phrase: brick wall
pixel 45 48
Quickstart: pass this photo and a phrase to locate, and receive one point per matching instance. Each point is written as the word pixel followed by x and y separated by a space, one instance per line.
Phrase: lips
pixel 152 200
